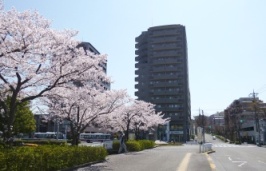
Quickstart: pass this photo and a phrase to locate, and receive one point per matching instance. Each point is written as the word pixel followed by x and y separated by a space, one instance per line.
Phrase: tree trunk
pixel 74 135
pixel 75 139
pixel 137 134
pixel 7 136
pixel 127 131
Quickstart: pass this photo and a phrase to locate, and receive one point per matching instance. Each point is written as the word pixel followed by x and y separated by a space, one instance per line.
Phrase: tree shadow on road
pixel 95 168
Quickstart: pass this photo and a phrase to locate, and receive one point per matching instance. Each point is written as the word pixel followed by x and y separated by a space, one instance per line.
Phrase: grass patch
pixel 170 144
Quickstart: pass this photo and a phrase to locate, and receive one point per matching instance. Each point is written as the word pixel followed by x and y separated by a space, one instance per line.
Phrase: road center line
pixel 212 165
pixel 184 164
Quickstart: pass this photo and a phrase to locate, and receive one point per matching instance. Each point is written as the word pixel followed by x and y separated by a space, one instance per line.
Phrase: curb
pixel 81 166
pixel 209 152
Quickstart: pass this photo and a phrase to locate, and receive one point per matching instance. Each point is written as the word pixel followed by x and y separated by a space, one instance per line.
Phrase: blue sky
pixel 226 40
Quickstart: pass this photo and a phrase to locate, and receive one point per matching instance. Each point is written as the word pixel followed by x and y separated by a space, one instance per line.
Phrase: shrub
pixel 116 145
pixel 146 144
pixel 48 157
pixel 133 145
pixel 237 142
pixel 44 142
pixel 30 144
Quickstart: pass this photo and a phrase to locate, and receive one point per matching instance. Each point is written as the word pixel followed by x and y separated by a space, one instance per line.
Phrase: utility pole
pixel 203 126
pixel 256 116
pixel 202 123
pixel 200 132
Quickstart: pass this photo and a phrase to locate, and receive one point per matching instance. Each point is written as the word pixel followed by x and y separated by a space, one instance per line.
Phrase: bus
pixel 48 135
pixel 104 138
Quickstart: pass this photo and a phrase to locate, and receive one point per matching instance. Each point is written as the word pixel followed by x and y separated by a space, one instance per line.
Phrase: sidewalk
pixel 158 142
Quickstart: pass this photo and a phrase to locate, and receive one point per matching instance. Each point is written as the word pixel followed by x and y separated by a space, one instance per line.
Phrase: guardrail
pixel 206 147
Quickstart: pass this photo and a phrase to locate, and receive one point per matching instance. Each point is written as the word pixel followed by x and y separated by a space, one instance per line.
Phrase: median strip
pixel 212 165
pixel 184 164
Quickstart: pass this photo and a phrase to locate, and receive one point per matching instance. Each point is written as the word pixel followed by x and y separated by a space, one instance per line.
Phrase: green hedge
pixel 146 144
pixel 237 142
pixel 42 142
pixel 48 157
pixel 133 145
pixel 116 145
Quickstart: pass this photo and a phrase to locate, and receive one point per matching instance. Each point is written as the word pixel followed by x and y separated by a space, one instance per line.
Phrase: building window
pixel 176 127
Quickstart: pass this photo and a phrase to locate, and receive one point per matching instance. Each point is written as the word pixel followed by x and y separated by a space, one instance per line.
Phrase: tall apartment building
pixel 88 46
pixel 162 77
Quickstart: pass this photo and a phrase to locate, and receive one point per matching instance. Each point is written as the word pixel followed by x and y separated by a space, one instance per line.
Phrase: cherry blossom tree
pixel 138 115
pixel 84 106
pixel 148 122
pixel 35 59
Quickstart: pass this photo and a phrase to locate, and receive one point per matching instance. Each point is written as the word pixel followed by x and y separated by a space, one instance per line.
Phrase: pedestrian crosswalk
pixel 231 145
pixel 222 145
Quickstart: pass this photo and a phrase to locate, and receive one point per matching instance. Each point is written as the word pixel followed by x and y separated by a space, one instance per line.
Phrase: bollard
pixel 206 147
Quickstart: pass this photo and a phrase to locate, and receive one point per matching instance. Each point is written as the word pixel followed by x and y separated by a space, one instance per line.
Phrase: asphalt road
pixel 227 157
pixel 243 157
pixel 169 158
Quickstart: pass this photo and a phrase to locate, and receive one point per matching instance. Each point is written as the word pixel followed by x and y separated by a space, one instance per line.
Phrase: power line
pixel 261 88
pixel 262 91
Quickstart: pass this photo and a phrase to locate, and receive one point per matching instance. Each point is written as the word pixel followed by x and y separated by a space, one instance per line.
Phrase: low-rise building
pixel 216 123
pixel 245 120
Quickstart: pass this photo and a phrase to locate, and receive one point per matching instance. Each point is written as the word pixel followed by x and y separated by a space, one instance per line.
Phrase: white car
pixel 213 137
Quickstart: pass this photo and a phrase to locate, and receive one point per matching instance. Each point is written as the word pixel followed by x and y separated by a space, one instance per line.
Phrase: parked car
pixel 213 137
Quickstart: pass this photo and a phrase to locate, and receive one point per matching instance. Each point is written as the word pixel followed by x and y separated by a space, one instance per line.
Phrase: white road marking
pixel 261 162
pixel 231 145
pixel 241 162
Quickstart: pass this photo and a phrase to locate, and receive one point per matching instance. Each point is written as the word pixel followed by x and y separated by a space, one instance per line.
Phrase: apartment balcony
pixel 141 53
pixel 141 79
pixel 141 44
pixel 167 69
pixel 141 94
pixel 166 54
pixel 159 47
pixel 166 93
pixel 163 100
pixel 164 39
pixel 166 84
pixel 166 61
pixel 165 33
pixel 168 109
pixel 138 57
pixel 141 65
pixel 165 77
pixel 137 72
